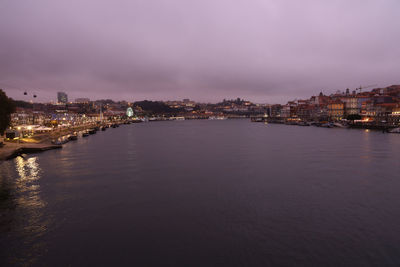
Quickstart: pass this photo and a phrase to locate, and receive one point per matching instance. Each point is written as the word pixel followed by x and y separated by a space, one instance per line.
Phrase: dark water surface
pixel 205 193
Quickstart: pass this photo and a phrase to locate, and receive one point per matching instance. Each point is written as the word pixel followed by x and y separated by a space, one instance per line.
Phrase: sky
pixel 206 50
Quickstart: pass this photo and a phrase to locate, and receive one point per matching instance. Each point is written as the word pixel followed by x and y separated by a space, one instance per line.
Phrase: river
pixel 205 193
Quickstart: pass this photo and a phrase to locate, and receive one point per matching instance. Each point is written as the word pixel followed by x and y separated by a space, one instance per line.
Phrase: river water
pixel 205 193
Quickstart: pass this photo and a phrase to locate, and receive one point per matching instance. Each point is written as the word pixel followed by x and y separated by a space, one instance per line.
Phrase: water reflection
pixel 367 148
pixel 28 171
pixel 28 189
pixel 24 212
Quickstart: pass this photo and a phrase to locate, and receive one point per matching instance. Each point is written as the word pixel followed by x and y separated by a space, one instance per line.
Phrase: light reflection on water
pixel 22 210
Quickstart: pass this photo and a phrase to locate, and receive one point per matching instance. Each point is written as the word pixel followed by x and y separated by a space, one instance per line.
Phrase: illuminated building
pixel 62 97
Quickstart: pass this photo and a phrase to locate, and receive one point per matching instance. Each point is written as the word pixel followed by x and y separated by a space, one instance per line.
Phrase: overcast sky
pixel 206 50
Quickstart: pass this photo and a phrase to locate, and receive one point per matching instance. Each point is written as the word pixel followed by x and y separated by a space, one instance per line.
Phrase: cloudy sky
pixel 263 50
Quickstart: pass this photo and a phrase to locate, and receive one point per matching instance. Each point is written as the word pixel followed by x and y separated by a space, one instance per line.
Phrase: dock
pixel 12 150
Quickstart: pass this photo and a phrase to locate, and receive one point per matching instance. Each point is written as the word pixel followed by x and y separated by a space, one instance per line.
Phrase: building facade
pixel 62 98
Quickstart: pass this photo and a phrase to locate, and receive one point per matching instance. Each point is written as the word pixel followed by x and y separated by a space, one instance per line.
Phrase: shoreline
pixel 13 150
pixel 40 142
pixel 37 144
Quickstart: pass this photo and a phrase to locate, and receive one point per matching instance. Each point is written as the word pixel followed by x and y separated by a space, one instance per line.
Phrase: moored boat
pixel 338 124
pixel 176 118
pixel 217 118
pixel 327 125
pixel 303 123
pixel 60 141
pixel 73 137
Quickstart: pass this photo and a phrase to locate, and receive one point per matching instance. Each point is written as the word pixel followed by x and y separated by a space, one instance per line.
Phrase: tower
pixel 62 97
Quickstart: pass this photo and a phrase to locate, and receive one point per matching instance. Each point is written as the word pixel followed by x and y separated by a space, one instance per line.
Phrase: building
pixel 394 118
pixel 336 109
pixel 368 109
pixel 350 105
pixel 285 111
pixel 82 100
pixel 275 110
pixel 62 98
pixel 384 111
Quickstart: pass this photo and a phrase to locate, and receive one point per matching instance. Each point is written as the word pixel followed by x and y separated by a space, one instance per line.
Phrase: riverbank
pixel 39 142
pixel 35 144
pixel 372 125
pixel 12 150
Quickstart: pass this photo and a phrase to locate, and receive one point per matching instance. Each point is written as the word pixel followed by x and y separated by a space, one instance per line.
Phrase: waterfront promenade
pixel 10 150
pixel 38 142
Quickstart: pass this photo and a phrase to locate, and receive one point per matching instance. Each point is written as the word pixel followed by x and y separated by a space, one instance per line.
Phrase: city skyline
pixel 262 51
pixel 31 97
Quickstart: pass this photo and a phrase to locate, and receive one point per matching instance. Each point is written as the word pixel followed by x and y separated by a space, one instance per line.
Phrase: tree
pixel 7 107
pixel 156 107
pixel 23 104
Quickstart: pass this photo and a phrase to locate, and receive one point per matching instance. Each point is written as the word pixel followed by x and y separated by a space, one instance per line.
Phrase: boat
pixel 176 118
pixel 60 141
pixel 316 123
pixel 217 118
pixel 395 130
pixel 291 123
pixel 56 142
pixel 337 124
pixel 85 134
pixel 73 137
pixel 103 128
pixel 256 119
pixel 92 131
pixel 327 125
pixel 303 123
